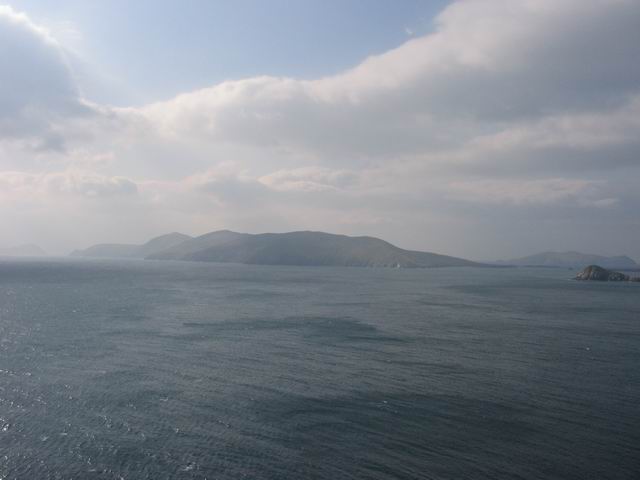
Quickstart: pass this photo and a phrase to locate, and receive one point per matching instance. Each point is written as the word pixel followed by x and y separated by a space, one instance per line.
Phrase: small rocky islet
pixel 599 274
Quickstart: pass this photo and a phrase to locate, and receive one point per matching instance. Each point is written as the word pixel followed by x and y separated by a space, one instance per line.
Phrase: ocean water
pixel 161 370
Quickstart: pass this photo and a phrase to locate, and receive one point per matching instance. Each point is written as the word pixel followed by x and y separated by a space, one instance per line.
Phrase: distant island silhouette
pixel 571 259
pixel 303 248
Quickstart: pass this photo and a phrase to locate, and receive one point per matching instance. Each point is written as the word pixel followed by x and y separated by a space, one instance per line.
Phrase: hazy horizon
pixel 3 250
pixel 483 129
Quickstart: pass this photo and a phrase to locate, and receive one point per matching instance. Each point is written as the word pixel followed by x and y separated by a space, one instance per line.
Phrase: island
pixel 571 259
pixel 599 274
pixel 123 250
pixel 302 248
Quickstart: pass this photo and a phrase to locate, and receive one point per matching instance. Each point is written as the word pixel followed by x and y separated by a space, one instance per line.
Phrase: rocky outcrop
pixel 599 274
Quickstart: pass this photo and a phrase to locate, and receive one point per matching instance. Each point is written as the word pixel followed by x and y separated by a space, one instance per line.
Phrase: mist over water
pixel 161 370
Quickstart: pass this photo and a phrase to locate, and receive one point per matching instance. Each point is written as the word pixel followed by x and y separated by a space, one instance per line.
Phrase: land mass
pixel 599 274
pixel 122 250
pixel 293 248
pixel 571 260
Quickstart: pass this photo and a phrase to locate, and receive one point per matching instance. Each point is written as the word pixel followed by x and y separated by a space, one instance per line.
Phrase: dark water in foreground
pixel 152 370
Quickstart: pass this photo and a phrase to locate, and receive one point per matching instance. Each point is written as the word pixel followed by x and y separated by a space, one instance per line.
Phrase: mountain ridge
pixel 124 250
pixel 304 248
pixel 570 259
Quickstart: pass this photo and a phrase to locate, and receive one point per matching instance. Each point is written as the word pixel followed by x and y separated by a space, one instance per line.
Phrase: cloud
pixel 501 70
pixel 581 193
pixel 38 90
pixel 488 64
pixel 228 186
pixel 507 106
pixel 83 184
pixel 309 179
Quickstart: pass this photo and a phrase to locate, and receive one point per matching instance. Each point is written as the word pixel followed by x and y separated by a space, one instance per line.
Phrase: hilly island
pixel 303 248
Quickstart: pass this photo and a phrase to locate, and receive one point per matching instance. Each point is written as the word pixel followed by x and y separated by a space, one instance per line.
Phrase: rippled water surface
pixel 160 370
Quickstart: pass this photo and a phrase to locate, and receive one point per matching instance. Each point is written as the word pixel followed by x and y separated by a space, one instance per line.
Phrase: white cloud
pixel 582 193
pixel 309 179
pixel 487 66
pixel 38 90
pixel 84 184
pixel 515 104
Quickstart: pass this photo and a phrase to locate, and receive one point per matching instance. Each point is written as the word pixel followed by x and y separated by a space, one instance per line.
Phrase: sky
pixel 478 128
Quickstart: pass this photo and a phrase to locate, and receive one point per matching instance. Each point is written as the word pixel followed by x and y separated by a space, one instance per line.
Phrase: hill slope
pixel 118 250
pixel 304 248
pixel 106 250
pixel 294 248
pixel 182 250
pixel 160 244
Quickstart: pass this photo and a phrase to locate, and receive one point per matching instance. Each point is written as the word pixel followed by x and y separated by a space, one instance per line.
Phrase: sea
pixel 177 370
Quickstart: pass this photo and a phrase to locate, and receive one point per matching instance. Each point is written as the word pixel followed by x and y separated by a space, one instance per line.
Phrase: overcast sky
pixel 478 128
